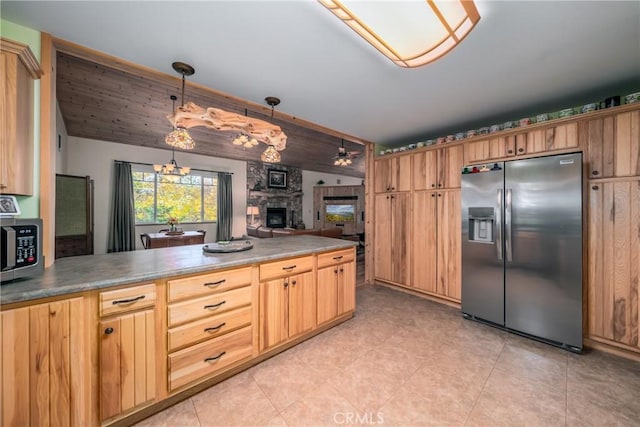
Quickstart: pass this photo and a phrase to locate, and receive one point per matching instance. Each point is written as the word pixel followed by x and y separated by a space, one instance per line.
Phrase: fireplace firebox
pixel 276 217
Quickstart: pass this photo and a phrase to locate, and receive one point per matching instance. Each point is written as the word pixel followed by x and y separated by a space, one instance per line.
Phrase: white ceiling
pixel 522 58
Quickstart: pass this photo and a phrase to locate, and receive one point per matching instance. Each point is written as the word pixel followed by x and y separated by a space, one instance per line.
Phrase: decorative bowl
pixel 483 130
pixel 587 108
pixel 431 141
pixel 459 136
pixel 471 133
pixel 442 140
pixel 542 118
pixel 495 128
pixel 525 121
pixel 420 144
pixel 508 125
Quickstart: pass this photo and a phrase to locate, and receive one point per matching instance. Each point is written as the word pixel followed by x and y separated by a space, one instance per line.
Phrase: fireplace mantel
pixel 274 195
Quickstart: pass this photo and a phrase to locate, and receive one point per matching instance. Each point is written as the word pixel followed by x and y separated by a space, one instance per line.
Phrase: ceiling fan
pixel 343 157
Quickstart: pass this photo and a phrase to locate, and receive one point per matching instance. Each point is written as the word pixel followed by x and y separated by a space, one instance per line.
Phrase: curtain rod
pixel 151 164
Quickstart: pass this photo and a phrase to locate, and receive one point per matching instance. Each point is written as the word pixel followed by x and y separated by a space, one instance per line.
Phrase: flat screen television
pixel 340 213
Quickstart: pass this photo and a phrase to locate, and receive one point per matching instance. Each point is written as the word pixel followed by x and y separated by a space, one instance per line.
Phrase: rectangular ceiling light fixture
pixel 410 33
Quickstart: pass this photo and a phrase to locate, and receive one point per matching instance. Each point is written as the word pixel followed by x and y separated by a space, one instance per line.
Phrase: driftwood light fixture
pixel 192 115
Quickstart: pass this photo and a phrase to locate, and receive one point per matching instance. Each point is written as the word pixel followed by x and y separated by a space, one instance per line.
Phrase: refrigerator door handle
pixel 499 226
pixel 507 226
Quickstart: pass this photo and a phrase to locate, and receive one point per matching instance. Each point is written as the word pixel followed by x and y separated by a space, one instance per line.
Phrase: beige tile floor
pixel 405 361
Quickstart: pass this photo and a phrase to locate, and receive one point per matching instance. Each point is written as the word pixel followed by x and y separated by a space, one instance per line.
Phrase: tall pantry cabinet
pixel 613 144
pixel 417 221
pixel 435 222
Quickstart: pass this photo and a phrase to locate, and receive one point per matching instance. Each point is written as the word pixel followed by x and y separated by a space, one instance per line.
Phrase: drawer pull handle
pixel 212 306
pixel 294 283
pixel 338 258
pixel 290 267
pixel 128 301
pixel 219 282
pixel 108 331
pixel 215 328
pixel 214 358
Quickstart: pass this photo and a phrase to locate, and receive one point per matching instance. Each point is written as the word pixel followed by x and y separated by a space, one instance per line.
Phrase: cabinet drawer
pixel 127 299
pixel 337 257
pixel 204 284
pixel 193 309
pixel 209 327
pixel 209 357
pixel 276 269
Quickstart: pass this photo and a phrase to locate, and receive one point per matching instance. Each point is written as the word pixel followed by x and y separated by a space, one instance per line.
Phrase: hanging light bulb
pixel 270 155
pixel 179 137
pixel 247 141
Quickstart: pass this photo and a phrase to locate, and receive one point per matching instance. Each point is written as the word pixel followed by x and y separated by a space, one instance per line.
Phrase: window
pixel 190 198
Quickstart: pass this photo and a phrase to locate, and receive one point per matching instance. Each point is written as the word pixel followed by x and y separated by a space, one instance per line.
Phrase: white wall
pixel 309 180
pixel 95 158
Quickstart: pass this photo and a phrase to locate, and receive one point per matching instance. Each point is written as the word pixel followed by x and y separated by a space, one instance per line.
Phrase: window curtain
pixel 123 216
pixel 225 207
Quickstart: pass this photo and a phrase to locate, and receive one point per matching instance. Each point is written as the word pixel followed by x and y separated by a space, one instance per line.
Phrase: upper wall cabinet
pixel 534 141
pixel 393 174
pixel 19 68
pixel 613 144
pixel 437 169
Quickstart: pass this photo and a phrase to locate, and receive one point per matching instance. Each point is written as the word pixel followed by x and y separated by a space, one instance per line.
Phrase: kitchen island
pixel 125 335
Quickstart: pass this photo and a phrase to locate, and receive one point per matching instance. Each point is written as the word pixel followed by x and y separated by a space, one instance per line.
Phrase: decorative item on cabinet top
pixel 609 102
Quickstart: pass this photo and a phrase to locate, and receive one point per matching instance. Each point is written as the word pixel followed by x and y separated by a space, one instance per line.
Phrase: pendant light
pixel 172 169
pixel 271 155
pixel 342 158
pixel 247 141
pixel 179 137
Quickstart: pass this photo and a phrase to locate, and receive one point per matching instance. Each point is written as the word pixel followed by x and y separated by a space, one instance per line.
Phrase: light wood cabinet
pixel 613 144
pixel 127 337
pixel 552 138
pixel 19 68
pixel 437 169
pixel 614 261
pixel 336 289
pixel 392 174
pixel 392 234
pixel 436 246
pixel 209 357
pixel 287 308
pixel 539 140
pixel 45 365
pixel 498 147
pixel 127 362
pixel 210 324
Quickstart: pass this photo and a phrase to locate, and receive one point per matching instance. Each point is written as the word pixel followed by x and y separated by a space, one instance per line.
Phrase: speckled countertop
pixel 84 273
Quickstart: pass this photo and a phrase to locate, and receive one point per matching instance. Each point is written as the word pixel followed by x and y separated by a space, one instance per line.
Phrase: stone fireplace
pixel 287 200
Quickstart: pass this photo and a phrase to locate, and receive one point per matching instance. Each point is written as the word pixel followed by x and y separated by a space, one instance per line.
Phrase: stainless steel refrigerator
pixel 522 246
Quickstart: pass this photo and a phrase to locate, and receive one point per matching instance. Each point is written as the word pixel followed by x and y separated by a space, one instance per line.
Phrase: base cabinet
pixel 127 363
pixel 287 308
pixel 336 288
pixel 45 365
pixel 127 349
pixel 614 262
